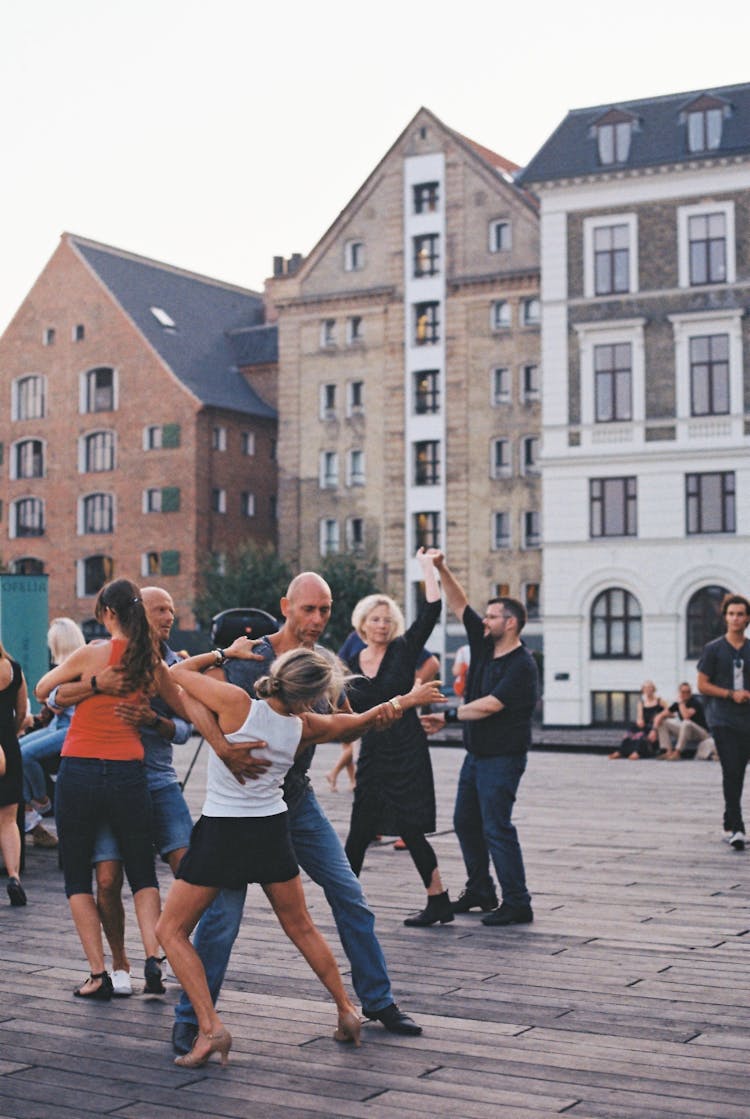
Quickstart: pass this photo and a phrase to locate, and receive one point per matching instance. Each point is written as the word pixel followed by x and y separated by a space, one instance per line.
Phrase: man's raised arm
pixel 455 595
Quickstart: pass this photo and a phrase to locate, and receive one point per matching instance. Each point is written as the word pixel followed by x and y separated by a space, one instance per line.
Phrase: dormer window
pixel 704 118
pixel 613 133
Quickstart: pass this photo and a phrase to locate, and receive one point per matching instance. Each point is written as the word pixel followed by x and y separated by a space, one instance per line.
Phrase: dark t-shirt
pixel 699 718
pixel 727 667
pixel 354 645
pixel 513 679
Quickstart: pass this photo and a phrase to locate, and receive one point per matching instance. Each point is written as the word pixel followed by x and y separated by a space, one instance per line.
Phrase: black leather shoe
pixel 438 908
pixel 469 900
pixel 153 976
pixel 183 1036
pixel 394 1020
pixel 507 915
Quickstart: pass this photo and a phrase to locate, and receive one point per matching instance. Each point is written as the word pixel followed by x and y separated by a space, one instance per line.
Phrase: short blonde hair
pixel 303 677
pixel 365 607
pixel 63 638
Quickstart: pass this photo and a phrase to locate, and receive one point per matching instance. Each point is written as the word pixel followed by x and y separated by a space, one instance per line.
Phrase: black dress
pixel 394 773
pixel 11 785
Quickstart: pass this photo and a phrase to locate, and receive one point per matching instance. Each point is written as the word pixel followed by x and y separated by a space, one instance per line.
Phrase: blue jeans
pixel 35 748
pixel 320 854
pixel 485 797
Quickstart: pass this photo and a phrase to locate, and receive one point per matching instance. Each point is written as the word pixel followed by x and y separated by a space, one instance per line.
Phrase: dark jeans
pixel 90 792
pixel 482 818
pixel 734 753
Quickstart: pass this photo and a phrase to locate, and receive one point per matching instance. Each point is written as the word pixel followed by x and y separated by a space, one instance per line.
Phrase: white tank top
pixel 225 796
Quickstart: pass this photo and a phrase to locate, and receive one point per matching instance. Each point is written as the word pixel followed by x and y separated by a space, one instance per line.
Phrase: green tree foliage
pixel 350 578
pixel 253 576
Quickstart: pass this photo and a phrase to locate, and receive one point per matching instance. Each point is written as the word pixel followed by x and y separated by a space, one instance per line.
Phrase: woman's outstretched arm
pixel 343 728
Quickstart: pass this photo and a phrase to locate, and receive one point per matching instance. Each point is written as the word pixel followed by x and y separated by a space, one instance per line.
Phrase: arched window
pixel 99 390
pixel 616 629
pixel 704 618
pixel 93 573
pixel 97 452
pixel 27 565
pixel 97 513
pixel 28 398
pixel 28 459
pixel 27 517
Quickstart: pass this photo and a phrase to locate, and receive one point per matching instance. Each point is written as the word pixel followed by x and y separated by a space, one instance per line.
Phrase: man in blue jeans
pixel 501 690
pixel 307 610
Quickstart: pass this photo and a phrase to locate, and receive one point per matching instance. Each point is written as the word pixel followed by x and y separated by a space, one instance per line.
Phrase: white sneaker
pixel 121 985
pixel 31 819
pixel 738 841
pixel 727 836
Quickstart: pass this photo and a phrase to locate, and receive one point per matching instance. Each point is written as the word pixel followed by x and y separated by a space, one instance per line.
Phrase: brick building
pixel 409 374
pixel 138 425
pixel 645 232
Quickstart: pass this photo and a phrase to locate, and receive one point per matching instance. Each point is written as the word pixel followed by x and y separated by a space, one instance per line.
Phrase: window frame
pixel 89 392
pixel 711 365
pixel 30 502
pixel 705 209
pixel 108 437
pixel 494 244
pixel 426 197
pixel 630 618
pixel 501 465
pixel 329 470
pixel 429 245
pixel 84 520
pixel 426 528
pixel 429 395
pixel 628 484
pixel 501 530
pixel 426 462
pixel 613 374
pixel 428 310
pixel 696 500
pixel 20 399
pixel 501 315
pixel 354 255
pixel 32 449
pixel 82 574
pixel 329 540
pixel 590 228
pixel 355 474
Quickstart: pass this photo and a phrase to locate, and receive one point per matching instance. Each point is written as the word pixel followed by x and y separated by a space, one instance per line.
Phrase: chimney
pixel 293 264
pixel 278 266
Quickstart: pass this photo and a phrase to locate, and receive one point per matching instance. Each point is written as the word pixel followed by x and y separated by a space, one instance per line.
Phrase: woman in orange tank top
pixel 102 776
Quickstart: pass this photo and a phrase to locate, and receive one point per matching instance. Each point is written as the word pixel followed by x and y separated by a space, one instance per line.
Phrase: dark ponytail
pixel 140 659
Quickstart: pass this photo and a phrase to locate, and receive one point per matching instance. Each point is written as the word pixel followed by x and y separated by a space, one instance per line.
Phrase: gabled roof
pixel 659 135
pixel 255 345
pixel 187 319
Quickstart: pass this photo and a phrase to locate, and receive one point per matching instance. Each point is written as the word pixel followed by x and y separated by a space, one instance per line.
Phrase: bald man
pixel 306 608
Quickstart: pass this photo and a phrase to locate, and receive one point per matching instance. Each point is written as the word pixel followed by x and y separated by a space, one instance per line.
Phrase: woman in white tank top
pixel 242 835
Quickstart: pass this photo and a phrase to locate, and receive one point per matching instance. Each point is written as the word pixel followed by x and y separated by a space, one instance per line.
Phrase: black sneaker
pixel 469 900
pixel 394 1020
pixel 508 915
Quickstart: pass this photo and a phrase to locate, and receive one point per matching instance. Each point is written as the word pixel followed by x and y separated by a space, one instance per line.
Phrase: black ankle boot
pixel 438 908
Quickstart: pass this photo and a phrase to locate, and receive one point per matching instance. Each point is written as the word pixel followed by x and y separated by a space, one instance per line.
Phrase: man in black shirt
pixel 724 676
pixel 684 722
pixel 500 694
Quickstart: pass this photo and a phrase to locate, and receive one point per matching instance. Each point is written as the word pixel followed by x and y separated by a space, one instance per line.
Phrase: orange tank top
pixel 97 732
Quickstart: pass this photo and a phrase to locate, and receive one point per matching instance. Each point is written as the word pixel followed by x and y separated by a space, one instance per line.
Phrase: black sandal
pixel 103 992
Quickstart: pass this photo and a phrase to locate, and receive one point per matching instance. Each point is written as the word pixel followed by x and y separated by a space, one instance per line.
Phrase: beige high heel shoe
pixel 348 1029
pixel 220 1043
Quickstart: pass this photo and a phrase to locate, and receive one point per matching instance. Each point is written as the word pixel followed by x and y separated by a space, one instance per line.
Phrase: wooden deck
pixel 626 999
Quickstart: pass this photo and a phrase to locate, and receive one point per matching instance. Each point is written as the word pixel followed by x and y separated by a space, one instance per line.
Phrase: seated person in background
pixel 640 742
pixel 684 722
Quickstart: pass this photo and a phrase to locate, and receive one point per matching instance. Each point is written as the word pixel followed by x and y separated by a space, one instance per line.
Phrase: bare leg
pixel 10 840
pixel 89 929
pixel 111 912
pixel 147 908
pixel 436 884
pixel 182 910
pixel 345 761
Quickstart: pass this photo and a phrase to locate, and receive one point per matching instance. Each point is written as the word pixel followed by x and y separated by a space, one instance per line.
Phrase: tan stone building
pixel 133 441
pixel 409 375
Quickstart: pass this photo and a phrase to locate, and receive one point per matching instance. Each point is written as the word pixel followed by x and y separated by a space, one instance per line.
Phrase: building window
pixel 161 435
pixel 531 312
pixel 248 504
pixel 98 451
pixel 532 533
pixel 97 513
pixel 48 337
pixel 613 383
pixel 247 442
pixel 499 237
pixel 612 506
pixel 529 383
pixel 530 455
pixel 500 314
pixel 162 500
pixel 355 534
pixel 355 398
pixel 426 323
pixel 532 600
pixel 79 332
pixel 614 709
pixel 328 333
pixel 356 468
pixel 327 402
pixel 219 439
pixel 501 590
pixel 500 463
pixel 93 573
pixel 704 129
pixel 426 254
pixel 611 259
pixel 354 331
pixel 160 563
pixel 29 459
pixel 501 530
pixel 28 398
pixel 27 565
pixel 218 500
pixel 27 517
pixel 427 391
pixel 329 536
pixel 427 530
pixel 705 620
pixel 613 138
pixel 426 198
pixel 709 500
pixel 273 507
pixel 354 256
pixel 329 470
pixel 427 463
pixel 707 248
pixel 500 381
pixel 616 626
pixel 709 375
pixel 100 390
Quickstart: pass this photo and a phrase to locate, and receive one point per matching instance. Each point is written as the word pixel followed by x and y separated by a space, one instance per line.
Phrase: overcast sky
pixel 215 134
